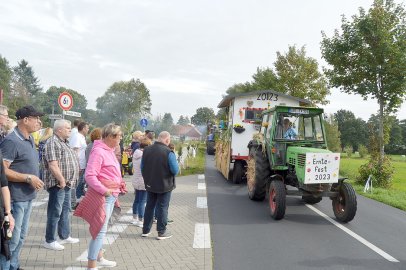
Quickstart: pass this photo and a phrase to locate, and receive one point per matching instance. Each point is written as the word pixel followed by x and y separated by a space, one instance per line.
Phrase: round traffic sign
pixel 144 122
pixel 65 101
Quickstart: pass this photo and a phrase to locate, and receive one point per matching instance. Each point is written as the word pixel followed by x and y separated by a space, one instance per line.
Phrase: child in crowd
pixel 135 143
pixel 139 186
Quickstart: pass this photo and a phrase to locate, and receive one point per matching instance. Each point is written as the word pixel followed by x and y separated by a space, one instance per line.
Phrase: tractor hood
pixel 304 150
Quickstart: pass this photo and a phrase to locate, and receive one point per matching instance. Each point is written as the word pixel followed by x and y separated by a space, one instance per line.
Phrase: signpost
pixel 144 123
pixel 71 113
pixel 55 116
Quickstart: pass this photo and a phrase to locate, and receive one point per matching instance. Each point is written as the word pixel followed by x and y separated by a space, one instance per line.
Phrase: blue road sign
pixel 144 122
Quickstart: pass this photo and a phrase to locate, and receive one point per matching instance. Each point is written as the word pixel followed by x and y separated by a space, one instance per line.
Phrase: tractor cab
pixel 285 126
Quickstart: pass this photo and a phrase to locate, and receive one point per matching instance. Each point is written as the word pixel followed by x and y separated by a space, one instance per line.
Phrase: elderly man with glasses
pixel 21 168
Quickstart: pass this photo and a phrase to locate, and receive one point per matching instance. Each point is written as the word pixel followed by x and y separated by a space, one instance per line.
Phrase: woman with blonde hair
pixel 103 176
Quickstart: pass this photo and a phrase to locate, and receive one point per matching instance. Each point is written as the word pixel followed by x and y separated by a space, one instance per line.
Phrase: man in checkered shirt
pixel 61 172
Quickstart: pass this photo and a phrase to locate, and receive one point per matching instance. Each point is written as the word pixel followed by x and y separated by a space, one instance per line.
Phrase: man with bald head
pixel 158 168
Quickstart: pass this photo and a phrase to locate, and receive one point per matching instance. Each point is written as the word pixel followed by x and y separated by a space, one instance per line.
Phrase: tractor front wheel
pixel 277 199
pixel 345 204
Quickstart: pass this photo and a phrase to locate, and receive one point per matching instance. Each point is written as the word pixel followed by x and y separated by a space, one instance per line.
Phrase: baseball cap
pixel 27 111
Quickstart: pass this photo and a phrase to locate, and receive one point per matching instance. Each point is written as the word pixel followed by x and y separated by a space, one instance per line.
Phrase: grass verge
pixel 394 196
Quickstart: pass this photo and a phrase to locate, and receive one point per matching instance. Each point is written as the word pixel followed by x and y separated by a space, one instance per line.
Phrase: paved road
pixel 245 237
pixel 187 249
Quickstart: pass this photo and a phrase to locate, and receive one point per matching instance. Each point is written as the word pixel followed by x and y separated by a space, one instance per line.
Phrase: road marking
pixel 201 185
pixel 111 234
pixel 202 236
pixel 35 204
pixel 201 202
pixel 200 177
pixel 353 234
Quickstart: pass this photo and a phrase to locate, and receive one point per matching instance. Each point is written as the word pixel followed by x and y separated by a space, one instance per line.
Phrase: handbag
pixel 5 243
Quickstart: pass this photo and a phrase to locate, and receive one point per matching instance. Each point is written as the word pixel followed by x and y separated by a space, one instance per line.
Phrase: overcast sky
pixel 186 52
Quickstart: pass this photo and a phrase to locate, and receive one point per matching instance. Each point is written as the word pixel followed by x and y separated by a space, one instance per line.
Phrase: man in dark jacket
pixel 158 168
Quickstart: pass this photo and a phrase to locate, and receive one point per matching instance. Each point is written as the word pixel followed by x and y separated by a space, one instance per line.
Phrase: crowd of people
pixel 78 176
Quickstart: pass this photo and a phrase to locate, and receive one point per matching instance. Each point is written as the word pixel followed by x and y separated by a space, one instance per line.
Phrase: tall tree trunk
pixel 381 136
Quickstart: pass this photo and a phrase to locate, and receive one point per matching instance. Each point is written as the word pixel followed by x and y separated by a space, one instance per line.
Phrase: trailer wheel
pixel 257 174
pixel 345 204
pixel 277 199
pixel 311 199
pixel 238 171
pixel 210 148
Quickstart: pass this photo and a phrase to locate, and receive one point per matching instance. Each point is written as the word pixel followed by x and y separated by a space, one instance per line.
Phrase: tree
pixel 265 79
pixel 354 131
pixel 299 76
pixel 124 100
pixel 50 105
pixel 167 122
pixel 203 115
pixel 395 144
pixel 5 75
pixel 332 135
pixel 369 58
pixel 402 124
pixel 183 120
pixel 24 74
pixel 239 88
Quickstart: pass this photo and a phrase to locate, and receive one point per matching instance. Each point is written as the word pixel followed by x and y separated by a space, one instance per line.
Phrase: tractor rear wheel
pixel 311 199
pixel 345 204
pixel 238 171
pixel 258 173
pixel 210 148
pixel 277 199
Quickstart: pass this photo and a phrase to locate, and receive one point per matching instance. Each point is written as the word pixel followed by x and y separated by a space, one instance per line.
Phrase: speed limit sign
pixel 65 101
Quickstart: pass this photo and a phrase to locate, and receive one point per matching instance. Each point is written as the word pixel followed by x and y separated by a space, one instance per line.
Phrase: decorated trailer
pixel 244 118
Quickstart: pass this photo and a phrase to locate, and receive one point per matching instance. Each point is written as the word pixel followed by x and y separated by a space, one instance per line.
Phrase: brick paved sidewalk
pixel 123 242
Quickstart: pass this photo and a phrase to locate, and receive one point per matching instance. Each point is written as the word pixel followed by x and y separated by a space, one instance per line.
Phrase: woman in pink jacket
pixel 103 176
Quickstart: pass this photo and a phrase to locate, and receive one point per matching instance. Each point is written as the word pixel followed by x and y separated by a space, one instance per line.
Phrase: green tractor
pixel 291 150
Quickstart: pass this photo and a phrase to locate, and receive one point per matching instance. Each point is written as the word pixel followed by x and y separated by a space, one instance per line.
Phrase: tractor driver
pixel 288 132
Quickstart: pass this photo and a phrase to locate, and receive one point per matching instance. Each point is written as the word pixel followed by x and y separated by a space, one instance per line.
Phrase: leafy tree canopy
pixel 5 74
pixel 368 57
pixel 183 120
pixel 124 100
pixel 203 115
pixel 298 76
pixel 24 74
pixel 167 122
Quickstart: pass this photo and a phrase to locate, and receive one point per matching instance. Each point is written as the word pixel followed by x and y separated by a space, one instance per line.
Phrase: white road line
pixel 353 234
pixel 202 236
pixel 111 237
pixel 201 185
pixel 200 177
pixel 36 204
pixel 201 202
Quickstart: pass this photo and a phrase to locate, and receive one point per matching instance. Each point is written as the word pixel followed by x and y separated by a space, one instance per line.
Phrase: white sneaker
pixel 102 262
pixel 54 246
pixel 138 223
pixel 69 240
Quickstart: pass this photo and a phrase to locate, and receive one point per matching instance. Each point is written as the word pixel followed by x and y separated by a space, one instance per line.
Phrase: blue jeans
pixel 96 244
pixel 80 187
pixel 58 214
pixel 21 214
pixel 161 202
pixel 139 203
